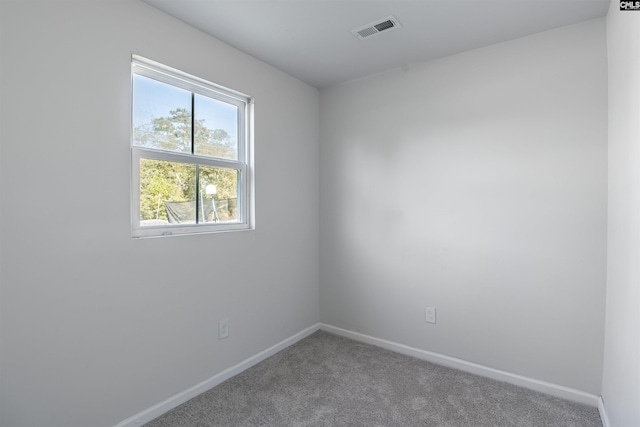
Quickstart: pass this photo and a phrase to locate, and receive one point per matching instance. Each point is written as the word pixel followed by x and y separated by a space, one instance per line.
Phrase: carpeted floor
pixel 326 380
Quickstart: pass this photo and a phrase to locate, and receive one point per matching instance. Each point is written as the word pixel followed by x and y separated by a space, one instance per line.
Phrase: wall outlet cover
pixel 223 328
pixel 430 315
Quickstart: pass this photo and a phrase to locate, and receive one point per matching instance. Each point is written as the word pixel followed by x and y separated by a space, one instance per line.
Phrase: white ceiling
pixel 312 39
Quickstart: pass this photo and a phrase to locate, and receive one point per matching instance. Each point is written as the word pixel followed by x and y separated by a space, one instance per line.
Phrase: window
pixel 189 154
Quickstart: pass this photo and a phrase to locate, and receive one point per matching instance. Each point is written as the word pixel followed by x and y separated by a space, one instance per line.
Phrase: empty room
pixel 319 213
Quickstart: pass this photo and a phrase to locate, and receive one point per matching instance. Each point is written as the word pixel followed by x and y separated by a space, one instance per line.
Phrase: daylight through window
pixel 190 153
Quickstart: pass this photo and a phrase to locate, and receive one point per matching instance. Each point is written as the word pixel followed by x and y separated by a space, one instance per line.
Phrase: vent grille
pixel 384 25
pixel 370 30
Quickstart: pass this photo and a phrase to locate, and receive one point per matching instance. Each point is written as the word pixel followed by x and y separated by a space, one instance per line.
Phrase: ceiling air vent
pixel 370 30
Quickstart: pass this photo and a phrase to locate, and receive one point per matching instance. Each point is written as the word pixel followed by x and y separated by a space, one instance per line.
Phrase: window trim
pixel 154 70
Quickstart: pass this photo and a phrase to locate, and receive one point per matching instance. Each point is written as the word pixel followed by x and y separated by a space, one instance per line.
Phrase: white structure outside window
pixel 190 154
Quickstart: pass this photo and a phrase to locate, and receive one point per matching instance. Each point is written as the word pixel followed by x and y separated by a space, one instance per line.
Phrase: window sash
pixel 138 153
pixel 147 68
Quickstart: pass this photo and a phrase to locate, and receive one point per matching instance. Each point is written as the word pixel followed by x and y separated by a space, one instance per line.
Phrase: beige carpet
pixel 326 380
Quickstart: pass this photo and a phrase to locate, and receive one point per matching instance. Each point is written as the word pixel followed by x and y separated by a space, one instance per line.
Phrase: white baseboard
pixel 603 413
pixel 474 368
pixel 452 362
pixel 179 398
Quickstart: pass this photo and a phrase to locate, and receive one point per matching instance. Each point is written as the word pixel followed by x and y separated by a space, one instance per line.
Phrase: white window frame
pixel 154 70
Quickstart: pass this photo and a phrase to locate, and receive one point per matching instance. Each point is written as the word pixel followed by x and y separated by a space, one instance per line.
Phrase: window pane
pixel 161 115
pixel 219 194
pixel 216 128
pixel 167 192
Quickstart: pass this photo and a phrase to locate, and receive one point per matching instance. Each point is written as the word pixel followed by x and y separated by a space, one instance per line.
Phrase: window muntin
pixel 190 154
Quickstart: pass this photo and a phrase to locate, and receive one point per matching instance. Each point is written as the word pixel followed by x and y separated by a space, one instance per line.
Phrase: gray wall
pixel 621 373
pixel 97 326
pixel 475 184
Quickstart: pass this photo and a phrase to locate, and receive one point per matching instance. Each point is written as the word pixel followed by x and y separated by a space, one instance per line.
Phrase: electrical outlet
pixel 430 315
pixel 223 328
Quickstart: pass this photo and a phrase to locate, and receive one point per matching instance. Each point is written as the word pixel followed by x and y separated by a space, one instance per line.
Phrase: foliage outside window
pixel 190 154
